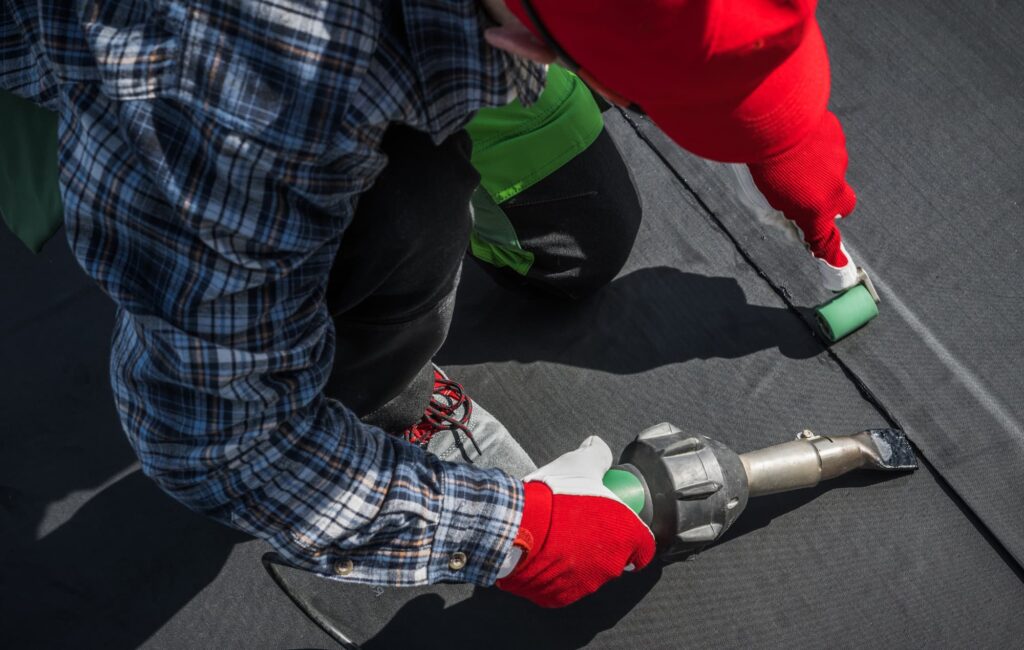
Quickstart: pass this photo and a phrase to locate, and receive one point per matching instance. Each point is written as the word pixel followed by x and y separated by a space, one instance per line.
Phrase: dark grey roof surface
pixel 704 328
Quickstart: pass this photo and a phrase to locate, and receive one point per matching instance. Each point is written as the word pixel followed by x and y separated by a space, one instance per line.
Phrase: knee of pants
pixel 578 224
pixel 578 260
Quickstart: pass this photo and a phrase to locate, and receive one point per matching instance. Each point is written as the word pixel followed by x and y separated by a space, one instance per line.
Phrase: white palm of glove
pixel 834 278
pixel 837 278
pixel 579 472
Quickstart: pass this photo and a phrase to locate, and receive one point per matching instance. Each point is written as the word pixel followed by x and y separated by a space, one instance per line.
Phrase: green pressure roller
pixel 850 310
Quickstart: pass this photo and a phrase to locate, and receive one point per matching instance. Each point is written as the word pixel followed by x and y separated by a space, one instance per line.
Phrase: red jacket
pixel 731 81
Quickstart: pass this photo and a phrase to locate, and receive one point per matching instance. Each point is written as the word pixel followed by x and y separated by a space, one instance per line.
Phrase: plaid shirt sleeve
pixel 211 155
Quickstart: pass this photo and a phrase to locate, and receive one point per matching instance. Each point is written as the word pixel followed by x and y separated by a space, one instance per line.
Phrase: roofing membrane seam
pixel 862 387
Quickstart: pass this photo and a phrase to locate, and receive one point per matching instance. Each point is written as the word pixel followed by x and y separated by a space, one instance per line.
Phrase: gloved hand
pixel 835 266
pixel 575 533
pixel 807 184
pixel 839 272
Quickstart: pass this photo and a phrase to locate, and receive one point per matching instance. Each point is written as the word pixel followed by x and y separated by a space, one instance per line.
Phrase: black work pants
pixel 392 287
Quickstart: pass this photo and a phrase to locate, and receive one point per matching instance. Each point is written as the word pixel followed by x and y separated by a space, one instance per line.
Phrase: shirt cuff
pixel 480 517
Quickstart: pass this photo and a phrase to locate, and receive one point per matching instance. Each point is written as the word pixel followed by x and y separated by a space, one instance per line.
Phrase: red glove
pixel 575 533
pixel 807 183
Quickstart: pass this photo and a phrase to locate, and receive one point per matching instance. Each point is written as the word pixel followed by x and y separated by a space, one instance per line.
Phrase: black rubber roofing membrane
pixel 708 327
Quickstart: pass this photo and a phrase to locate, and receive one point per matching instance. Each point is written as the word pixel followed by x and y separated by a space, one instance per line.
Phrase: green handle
pixel 627 487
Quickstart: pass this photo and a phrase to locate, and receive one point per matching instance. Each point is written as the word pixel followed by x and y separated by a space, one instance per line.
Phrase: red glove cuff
pixel 573 544
pixel 533 530
pixel 808 185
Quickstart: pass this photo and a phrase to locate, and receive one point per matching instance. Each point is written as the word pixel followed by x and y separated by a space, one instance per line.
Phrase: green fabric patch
pixel 30 200
pixel 516 146
pixel 494 239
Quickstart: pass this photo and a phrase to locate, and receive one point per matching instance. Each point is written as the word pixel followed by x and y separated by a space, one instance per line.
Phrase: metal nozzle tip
pixel 894 450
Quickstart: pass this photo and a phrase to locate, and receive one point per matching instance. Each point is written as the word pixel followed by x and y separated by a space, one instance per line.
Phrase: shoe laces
pixel 447 400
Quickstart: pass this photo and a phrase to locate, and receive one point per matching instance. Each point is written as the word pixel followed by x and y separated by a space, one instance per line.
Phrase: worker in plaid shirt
pixel 274 191
pixel 277 194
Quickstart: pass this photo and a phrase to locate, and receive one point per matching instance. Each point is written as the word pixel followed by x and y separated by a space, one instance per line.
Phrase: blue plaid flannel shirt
pixel 211 154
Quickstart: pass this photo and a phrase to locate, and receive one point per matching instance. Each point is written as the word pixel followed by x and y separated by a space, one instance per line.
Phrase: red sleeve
pixel 730 81
pixel 807 183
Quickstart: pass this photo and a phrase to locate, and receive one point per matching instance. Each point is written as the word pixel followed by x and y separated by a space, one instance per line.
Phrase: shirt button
pixel 343 568
pixel 457 561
